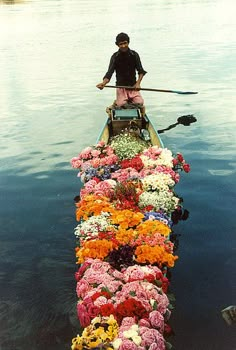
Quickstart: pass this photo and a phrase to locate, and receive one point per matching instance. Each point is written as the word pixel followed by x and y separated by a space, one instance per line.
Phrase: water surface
pixel 52 54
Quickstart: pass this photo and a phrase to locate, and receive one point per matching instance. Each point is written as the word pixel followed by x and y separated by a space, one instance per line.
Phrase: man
pixel 125 62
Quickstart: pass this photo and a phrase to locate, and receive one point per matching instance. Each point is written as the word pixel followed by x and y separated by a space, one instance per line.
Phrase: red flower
pixel 107 309
pixel 135 163
pixel 175 162
pixel 131 308
pixel 168 330
pixel 96 179
pixel 186 167
pixel 148 208
pixel 180 157
pixel 80 272
pixel 150 278
pixel 165 284
pixel 101 293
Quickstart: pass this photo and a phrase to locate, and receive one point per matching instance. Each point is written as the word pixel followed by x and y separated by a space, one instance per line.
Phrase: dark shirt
pixel 125 64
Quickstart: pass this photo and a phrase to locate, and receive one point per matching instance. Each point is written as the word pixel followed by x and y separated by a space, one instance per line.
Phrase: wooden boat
pixel 125 119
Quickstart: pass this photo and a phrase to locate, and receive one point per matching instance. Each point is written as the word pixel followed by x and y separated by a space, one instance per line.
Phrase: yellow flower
pixel 95 249
pixel 146 254
pixel 77 343
pixel 150 227
pixel 126 218
pixel 124 236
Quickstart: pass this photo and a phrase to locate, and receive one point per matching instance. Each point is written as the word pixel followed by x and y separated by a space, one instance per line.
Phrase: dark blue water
pixel 52 54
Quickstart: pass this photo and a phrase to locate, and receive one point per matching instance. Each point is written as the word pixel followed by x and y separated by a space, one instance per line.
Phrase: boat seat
pixel 126 114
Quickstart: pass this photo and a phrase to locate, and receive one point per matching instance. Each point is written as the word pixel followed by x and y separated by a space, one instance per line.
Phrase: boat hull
pixel 113 127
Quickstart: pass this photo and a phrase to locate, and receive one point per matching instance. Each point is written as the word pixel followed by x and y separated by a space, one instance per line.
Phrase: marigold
pixel 95 249
pixel 92 205
pixel 125 236
pixel 150 227
pixel 146 254
pixel 126 218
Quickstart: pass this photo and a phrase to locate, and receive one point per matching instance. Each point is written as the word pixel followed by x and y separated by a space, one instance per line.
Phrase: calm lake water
pixel 52 54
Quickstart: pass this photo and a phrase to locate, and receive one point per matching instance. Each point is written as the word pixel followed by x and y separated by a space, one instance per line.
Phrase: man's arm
pixel 141 71
pixel 138 82
pixel 108 75
pixel 104 82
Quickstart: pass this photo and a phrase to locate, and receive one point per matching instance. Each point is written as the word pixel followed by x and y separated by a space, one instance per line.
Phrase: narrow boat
pixel 129 119
pixel 123 241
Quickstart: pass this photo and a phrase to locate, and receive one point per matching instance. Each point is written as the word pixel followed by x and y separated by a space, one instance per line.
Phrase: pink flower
pixel 86 153
pixel 144 323
pixel 133 273
pixel 82 288
pixel 83 316
pixel 128 345
pixel 76 163
pixel 93 277
pixel 128 321
pixel 110 151
pixel 157 320
pixel 117 275
pixel 113 286
pixel 99 266
pixel 93 310
pixel 81 271
pixel 163 302
pixel 100 144
pixel 100 301
pixel 155 346
pixel 95 153
pixel 95 162
pixel 89 186
pixel 152 337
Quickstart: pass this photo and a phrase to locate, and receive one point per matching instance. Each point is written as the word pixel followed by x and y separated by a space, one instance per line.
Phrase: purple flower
pixel 121 257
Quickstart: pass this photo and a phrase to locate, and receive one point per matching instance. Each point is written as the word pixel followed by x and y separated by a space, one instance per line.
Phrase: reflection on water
pixel 51 57
pixel 185 120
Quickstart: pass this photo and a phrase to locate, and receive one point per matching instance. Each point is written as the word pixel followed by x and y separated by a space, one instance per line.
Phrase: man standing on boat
pixel 125 62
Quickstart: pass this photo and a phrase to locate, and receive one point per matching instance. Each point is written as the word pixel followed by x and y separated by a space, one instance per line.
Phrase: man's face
pixel 123 46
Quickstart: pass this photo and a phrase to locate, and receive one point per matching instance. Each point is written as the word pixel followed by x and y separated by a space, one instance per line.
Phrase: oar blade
pixel 186 92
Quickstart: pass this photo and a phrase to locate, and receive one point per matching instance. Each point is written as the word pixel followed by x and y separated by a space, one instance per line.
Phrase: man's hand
pixel 137 86
pixel 100 86
pixel 104 83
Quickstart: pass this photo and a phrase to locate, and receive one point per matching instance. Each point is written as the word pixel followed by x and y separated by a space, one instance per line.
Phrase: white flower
pixel 91 227
pixel 164 200
pixel 117 343
pixel 160 182
pixel 137 340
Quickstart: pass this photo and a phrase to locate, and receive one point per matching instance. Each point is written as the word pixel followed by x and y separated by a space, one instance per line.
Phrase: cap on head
pixel 122 37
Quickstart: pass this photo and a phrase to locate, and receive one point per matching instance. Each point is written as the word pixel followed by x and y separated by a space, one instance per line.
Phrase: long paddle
pixel 157 90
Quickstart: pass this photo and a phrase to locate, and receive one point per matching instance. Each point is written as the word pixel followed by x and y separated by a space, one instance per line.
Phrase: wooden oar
pixel 157 90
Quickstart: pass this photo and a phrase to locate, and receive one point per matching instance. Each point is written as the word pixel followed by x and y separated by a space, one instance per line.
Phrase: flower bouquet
pixel 127 209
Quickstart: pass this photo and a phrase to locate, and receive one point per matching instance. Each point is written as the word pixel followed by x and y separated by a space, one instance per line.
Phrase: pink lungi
pixel 124 96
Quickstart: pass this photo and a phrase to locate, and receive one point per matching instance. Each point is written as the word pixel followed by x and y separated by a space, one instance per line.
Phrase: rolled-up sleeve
pixel 139 66
pixel 111 68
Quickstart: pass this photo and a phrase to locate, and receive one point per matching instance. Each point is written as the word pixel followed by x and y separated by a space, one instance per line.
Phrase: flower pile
pixel 123 248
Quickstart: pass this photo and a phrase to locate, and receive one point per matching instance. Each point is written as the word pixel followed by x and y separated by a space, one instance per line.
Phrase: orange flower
pixel 126 218
pixel 150 227
pixel 95 249
pixel 151 255
pixel 125 236
pixel 92 205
